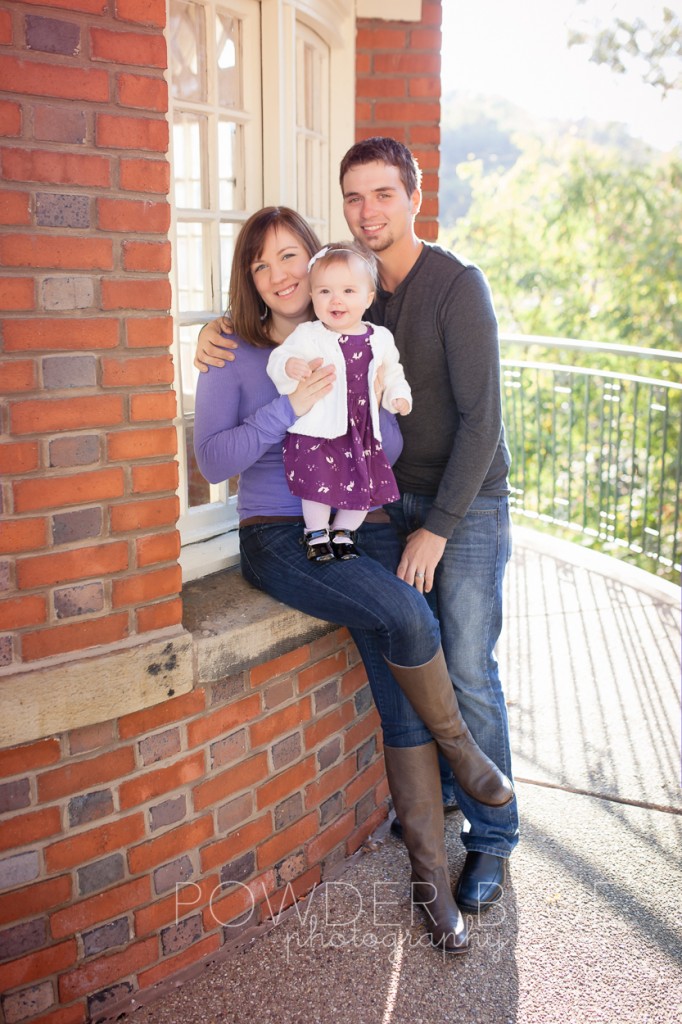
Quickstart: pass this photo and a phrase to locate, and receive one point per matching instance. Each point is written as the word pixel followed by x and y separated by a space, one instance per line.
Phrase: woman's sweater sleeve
pixel 223 445
pixel 391 438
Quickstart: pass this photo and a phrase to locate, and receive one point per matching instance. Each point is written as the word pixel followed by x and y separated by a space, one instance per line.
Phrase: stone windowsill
pixel 229 626
pixel 234 626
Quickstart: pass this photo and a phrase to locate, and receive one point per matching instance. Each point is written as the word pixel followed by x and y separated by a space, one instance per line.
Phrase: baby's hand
pixel 297 369
pixel 401 405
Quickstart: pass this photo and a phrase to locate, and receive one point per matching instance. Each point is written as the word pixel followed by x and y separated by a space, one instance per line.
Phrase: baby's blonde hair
pixel 340 252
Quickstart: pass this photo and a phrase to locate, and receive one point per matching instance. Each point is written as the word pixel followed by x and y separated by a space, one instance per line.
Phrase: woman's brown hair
pixel 246 310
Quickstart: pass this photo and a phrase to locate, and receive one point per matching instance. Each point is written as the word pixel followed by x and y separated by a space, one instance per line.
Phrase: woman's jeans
pixel 467 599
pixel 387 618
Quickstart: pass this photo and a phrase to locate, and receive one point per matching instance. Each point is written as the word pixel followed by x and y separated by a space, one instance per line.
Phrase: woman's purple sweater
pixel 239 425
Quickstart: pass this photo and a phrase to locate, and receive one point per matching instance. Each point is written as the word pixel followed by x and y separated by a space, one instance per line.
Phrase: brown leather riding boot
pixel 430 691
pixel 414 781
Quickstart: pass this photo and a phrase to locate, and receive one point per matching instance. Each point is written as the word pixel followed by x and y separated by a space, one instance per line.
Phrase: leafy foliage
pixel 474 128
pixel 579 231
pixel 653 49
pixel 577 242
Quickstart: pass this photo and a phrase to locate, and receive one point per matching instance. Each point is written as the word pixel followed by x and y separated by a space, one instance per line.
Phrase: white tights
pixel 316 516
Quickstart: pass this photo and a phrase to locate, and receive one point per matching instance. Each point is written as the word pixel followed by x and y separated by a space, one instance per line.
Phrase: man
pixel 452 473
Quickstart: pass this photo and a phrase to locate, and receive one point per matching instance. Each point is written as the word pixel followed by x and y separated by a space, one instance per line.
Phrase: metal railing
pixel 595 434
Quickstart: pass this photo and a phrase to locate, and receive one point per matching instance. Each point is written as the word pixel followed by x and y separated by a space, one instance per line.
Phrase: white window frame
pixel 273 177
pixel 206 521
pixel 312 129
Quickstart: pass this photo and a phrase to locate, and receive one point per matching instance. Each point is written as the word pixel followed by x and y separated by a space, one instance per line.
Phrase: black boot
pixel 481 883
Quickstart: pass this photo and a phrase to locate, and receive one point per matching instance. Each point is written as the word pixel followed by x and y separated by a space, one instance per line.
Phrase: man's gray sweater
pixel 444 324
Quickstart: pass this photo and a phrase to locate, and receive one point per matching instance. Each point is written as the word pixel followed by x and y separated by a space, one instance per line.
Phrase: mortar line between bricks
pixel 664 809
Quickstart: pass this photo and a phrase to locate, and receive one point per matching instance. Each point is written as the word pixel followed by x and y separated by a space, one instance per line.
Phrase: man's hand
pixel 422 554
pixel 212 348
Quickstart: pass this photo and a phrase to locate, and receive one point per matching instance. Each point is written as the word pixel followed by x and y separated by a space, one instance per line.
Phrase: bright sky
pixel 519 51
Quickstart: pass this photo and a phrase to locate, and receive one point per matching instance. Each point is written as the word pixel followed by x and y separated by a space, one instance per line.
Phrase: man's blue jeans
pixel 386 617
pixel 467 599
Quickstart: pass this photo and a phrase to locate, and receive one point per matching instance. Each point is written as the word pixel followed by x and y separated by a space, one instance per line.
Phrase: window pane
pixel 312 127
pixel 216 124
pixel 228 49
pixel 189 147
pixel 188 51
pixel 187 336
pixel 228 234
pixel 189 255
pixel 199 491
pixel 307 113
pixel 230 161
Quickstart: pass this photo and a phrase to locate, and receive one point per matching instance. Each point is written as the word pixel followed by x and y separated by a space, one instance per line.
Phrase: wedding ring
pixel 419 575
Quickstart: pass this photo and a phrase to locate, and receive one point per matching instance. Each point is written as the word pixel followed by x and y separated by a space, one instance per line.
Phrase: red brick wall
pixel 398 94
pixel 275 775
pixel 88 500
pixel 88 547
pixel 267 778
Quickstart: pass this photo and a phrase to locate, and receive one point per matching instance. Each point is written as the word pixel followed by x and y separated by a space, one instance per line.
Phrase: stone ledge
pixel 229 626
pixel 94 686
pixel 234 626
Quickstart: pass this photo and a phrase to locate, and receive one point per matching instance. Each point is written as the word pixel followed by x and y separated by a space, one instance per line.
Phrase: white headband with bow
pixel 323 252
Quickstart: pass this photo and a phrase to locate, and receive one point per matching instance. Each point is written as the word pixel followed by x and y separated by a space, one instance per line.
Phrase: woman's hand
pixel 212 347
pixel 313 388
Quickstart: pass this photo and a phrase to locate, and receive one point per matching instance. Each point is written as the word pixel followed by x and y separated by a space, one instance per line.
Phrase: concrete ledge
pixel 96 687
pixel 229 627
pixel 234 626
pixel 575 553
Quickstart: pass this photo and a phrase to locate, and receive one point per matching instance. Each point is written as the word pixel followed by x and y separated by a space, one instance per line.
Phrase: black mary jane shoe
pixel 322 552
pixel 345 550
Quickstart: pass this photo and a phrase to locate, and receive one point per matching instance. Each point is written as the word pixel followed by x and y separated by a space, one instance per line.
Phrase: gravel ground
pixel 589 932
pixel 590 928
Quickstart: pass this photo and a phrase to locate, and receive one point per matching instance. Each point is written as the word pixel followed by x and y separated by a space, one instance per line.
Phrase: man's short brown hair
pixel 386 151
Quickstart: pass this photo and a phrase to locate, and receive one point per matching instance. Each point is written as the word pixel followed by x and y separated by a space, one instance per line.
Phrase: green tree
pixel 578 243
pixel 472 128
pixel 652 48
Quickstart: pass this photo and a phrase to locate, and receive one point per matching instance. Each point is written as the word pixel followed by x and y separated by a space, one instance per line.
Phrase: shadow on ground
pixel 590 928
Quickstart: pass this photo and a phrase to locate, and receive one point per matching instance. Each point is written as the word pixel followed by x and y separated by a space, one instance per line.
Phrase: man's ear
pixel 416 201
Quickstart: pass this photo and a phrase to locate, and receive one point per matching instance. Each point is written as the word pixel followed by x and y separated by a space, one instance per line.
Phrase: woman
pixel 241 422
